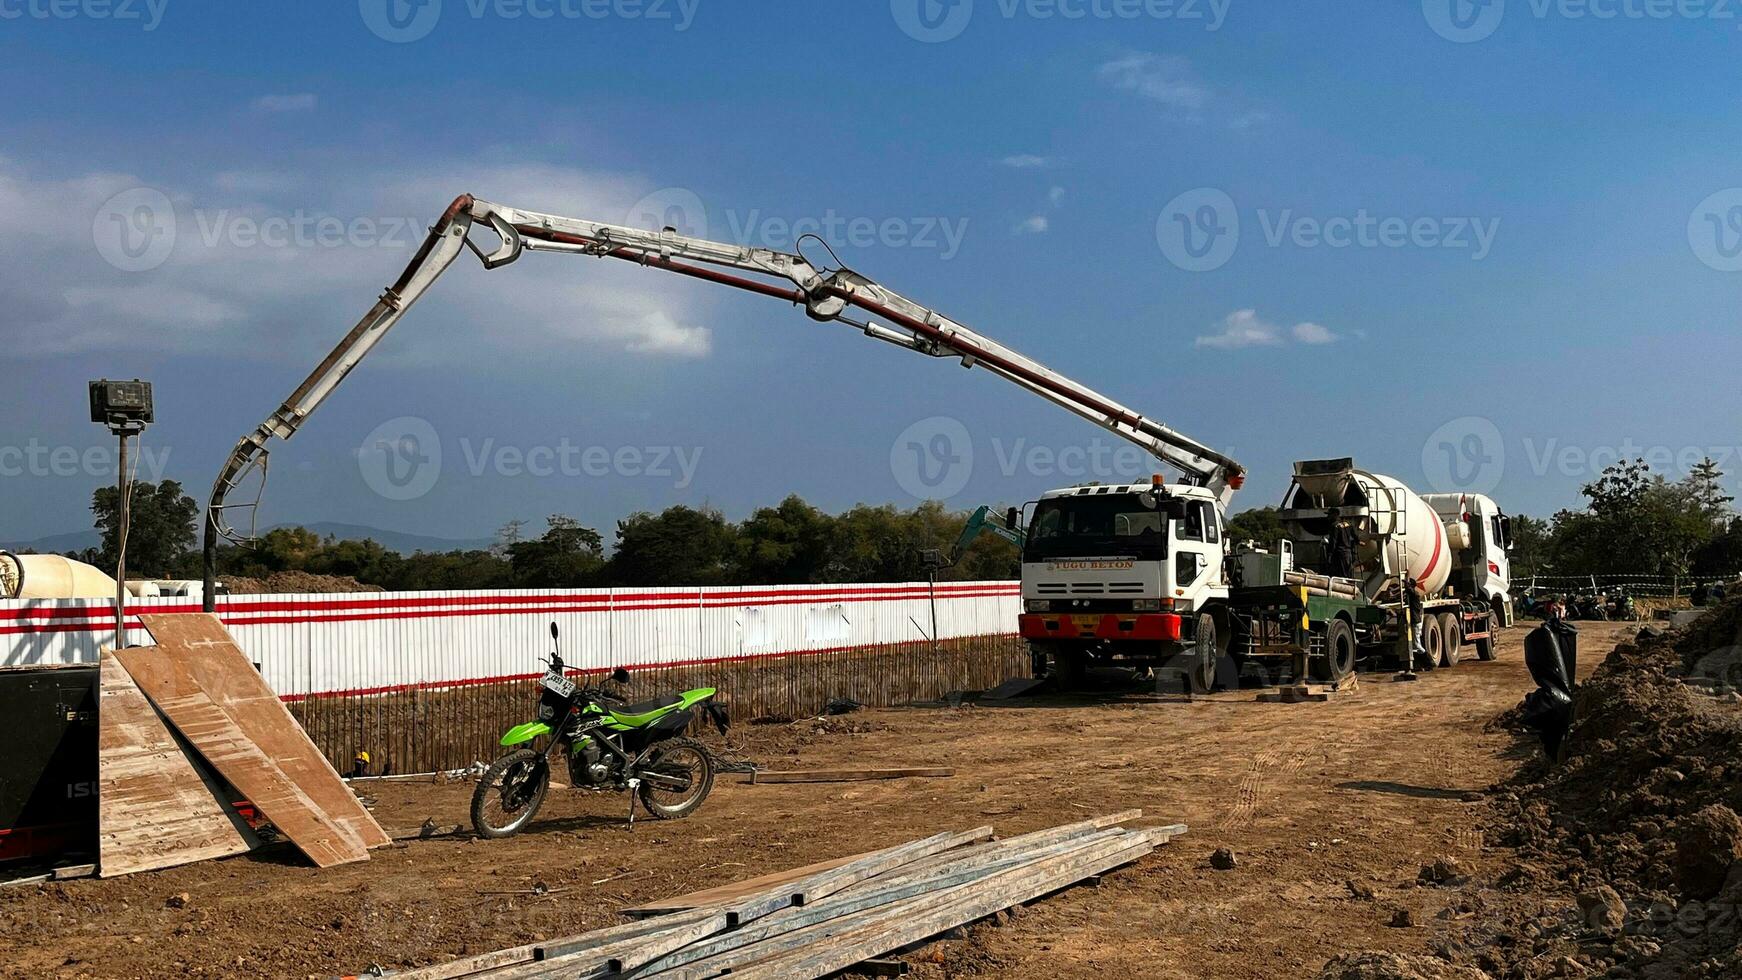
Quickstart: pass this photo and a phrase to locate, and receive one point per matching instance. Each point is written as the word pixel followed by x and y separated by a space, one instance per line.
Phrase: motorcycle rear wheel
pixel 509 794
pixel 679 758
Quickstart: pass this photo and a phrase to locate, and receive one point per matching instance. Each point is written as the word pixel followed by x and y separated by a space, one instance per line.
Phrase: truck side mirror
pixel 1013 519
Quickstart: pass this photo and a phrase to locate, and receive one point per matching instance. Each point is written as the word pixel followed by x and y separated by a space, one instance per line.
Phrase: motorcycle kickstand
pixel 634 784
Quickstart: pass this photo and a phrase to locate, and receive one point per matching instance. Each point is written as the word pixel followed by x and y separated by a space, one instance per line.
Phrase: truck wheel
pixel 1433 639
pixel 1485 645
pixel 1205 655
pixel 1340 653
pixel 1452 637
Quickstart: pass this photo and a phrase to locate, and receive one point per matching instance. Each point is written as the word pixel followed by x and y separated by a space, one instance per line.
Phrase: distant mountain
pixel 56 544
pixel 399 541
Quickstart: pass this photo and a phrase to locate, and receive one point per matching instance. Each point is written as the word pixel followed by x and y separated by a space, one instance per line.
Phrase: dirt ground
pixel 1331 810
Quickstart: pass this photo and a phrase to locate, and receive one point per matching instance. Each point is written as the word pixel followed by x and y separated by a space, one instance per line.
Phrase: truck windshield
pixel 1097 526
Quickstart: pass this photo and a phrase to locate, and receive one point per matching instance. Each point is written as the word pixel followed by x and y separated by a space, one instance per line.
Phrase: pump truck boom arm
pixel 832 295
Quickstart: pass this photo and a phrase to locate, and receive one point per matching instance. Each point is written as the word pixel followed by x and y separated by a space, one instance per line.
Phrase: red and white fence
pixel 360 644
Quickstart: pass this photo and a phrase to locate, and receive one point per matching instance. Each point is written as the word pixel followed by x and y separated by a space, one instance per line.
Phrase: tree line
pixel 792 543
pixel 1633 521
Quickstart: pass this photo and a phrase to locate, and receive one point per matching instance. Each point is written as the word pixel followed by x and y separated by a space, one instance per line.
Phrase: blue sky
pixel 1518 245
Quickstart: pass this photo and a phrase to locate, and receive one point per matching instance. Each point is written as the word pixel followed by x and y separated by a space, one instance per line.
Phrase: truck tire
pixel 1485 645
pixel 1433 639
pixel 1452 637
pixel 1340 654
pixel 1206 654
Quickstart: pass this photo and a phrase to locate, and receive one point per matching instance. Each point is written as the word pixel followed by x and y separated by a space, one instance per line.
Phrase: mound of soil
pixel 1395 966
pixel 1639 822
pixel 295 583
pixel 1626 857
pixel 1646 754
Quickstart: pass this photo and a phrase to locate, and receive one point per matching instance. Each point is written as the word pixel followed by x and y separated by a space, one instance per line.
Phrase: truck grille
pixel 1089 588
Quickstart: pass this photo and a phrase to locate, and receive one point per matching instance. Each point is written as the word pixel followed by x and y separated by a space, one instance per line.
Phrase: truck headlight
pixel 1038 605
pixel 1146 605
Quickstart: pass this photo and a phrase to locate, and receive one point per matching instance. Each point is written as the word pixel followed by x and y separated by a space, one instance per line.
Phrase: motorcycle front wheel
pixel 509 794
pixel 676 779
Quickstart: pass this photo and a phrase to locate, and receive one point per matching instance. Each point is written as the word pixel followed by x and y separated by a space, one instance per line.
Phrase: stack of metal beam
pixel 827 921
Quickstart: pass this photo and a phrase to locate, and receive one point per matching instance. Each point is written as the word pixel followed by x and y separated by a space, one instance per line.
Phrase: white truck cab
pixel 1482 567
pixel 1126 573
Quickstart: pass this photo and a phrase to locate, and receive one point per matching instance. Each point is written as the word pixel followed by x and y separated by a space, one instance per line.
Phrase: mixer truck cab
pixel 1482 563
pixel 1127 574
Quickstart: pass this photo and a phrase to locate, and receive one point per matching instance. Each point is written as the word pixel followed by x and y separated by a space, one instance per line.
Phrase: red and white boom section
pixel 838 295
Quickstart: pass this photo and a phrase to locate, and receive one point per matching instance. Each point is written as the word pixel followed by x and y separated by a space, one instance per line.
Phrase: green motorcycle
pixel 610 746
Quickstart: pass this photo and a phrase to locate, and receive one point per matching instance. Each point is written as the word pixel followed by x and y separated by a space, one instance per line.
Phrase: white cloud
pixel 1312 333
pixel 1038 224
pixel 1026 161
pixel 294 299
pixel 1166 79
pixel 657 334
pixel 1244 328
pixel 295 102
pixel 1249 120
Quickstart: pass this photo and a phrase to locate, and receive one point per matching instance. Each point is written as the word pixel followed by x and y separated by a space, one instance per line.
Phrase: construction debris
pixel 815 922
pixel 850 775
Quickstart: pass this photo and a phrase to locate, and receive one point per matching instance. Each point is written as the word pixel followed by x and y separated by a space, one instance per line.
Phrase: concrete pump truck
pixel 1136 573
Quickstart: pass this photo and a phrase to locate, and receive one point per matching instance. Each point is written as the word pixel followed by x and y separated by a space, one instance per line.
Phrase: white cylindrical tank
pixel 1400 532
pixel 53 577
pixel 1405 527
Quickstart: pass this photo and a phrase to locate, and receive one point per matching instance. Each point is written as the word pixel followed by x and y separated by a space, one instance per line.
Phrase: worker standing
pixel 1340 547
pixel 1412 599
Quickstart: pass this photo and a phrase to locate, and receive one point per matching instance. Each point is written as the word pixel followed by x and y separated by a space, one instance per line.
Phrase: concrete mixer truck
pixel 1288 603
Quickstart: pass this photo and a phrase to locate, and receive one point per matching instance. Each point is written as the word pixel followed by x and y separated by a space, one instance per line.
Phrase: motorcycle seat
pixel 647 707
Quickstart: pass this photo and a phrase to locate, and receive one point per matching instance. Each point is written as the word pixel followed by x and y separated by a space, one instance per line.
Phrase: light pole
pixel 124 408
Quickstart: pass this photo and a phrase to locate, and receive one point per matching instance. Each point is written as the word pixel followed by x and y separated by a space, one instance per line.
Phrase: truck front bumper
pixel 1100 626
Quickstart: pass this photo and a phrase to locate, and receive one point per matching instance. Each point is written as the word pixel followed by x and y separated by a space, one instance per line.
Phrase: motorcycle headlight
pixel 1038 605
pixel 546 712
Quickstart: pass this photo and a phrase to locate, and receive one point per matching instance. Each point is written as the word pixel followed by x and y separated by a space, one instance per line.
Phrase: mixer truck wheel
pixel 1485 645
pixel 1340 654
pixel 1433 639
pixel 1452 632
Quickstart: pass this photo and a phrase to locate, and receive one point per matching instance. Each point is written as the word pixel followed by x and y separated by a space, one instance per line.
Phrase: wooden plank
pixel 829 882
pixel 226 675
pixel 849 775
pixel 1298 694
pixel 496 963
pixel 1015 687
pixel 927 915
pixel 877 891
pixel 164 677
pixel 155 808
pixel 723 894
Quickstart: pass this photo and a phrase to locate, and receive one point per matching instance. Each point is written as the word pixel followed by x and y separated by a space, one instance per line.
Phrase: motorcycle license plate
pixel 559 685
